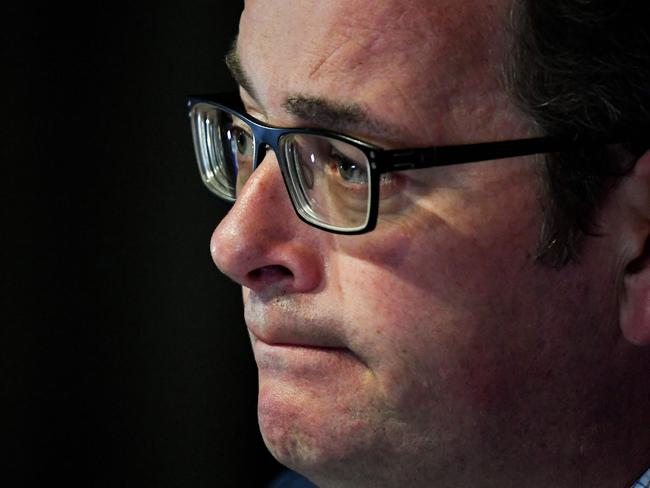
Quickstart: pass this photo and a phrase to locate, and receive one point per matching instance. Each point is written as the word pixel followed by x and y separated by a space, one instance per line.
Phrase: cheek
pixel 434 291
pixel 456 222
pixel 430 265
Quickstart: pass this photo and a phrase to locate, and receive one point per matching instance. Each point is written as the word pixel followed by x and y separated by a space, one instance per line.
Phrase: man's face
pixel 435 342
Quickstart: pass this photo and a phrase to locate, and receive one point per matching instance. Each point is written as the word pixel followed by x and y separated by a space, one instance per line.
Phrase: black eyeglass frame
pixel 388 160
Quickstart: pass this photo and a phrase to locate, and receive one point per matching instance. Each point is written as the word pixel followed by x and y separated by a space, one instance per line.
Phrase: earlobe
pixel 634 315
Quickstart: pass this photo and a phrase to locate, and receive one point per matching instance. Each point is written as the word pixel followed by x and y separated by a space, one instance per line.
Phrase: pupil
pixel 242 142
pixel 347 169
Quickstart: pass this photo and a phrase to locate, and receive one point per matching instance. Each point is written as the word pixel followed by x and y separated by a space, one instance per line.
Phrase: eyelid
pixel 243 128
pixel 344 150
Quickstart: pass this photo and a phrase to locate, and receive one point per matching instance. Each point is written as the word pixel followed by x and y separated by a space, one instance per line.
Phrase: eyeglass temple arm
pixel 397 159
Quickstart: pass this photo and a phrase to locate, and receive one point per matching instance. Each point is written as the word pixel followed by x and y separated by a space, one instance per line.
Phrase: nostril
pixel 270 274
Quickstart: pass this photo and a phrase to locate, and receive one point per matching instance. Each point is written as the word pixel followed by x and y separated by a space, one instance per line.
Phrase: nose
pixel 262 244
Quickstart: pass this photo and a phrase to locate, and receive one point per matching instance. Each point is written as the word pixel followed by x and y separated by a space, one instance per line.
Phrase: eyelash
pixel 389 182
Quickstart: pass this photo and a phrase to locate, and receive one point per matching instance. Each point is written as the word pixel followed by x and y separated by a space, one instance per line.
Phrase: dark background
pixel 124 356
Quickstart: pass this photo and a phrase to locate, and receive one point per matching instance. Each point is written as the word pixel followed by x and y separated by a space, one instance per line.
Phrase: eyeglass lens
pixel 327 178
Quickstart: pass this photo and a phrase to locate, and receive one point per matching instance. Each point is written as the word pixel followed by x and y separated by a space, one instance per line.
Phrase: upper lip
pixel 278 335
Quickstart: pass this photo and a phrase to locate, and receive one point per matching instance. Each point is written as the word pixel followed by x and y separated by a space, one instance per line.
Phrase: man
pixel 489 330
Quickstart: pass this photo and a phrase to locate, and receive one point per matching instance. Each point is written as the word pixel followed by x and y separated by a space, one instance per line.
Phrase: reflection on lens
pixel 225 148
pixel 306 173
pixel 239 156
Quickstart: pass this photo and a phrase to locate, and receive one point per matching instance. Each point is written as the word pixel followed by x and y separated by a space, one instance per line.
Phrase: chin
pixel 347 438
pixel 314 434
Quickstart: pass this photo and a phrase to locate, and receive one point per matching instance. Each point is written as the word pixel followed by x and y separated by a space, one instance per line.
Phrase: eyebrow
pixel 336 116
pixel 317 111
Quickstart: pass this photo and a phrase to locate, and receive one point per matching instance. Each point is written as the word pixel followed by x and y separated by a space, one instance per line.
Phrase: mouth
pixel 289 343
pixel 286 333
pixel 289 352
pixel 283 328
pixel 297 362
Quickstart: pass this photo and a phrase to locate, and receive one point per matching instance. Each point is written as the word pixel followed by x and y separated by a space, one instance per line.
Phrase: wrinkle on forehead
pixel 367 27
pixel 420 31
pixel 322 59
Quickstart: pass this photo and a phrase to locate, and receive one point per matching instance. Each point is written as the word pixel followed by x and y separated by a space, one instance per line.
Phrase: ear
pixel 634 198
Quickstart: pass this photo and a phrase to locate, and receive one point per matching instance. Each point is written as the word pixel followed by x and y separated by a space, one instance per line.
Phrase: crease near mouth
pixel 303 346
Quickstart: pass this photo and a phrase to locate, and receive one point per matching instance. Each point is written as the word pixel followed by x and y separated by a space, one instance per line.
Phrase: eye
pixel 350 171
pixel 241 140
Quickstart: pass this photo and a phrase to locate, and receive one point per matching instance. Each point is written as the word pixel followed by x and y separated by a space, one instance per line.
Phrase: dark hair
pixel 580 66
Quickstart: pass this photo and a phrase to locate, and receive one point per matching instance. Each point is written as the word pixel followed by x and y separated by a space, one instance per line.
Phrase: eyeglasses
pixel 333 180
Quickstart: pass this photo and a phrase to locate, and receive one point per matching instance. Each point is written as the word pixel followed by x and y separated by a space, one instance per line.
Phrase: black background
pixel 124 356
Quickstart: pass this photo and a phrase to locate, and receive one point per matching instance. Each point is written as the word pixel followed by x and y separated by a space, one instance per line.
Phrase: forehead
pixel 436 57
pixel 389 25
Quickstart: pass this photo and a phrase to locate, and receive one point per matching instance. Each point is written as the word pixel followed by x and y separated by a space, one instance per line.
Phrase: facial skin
pixel 433 351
